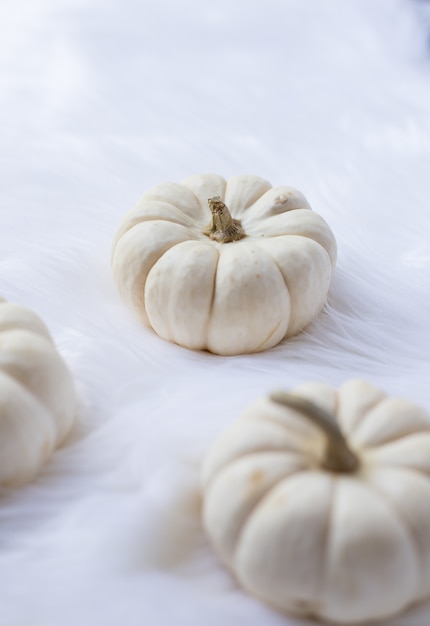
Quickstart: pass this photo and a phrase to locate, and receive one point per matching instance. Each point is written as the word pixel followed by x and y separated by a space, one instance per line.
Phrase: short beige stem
pixel 338 456
pixel 223 227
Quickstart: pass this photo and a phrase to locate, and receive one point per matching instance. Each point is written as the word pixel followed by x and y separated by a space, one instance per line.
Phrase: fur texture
pixel 102 100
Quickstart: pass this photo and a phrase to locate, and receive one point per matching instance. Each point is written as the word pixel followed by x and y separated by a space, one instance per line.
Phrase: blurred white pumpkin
pixel 230 283
pixel 37 395
pixel 324 520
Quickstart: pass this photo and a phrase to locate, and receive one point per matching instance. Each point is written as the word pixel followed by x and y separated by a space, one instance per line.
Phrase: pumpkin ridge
pixel 326 538
pixel 297 320
pixel 250 300
pixel 132 218
pixel 283 278
pixel 363 417
pixel 309 451
pixel 187 276
pixel 257 241
pixel 405 468
pixel 260 346
pixel 239 211
pixel 23 387
pixel 377 462
pixel 211 304
pixel 43 410
pixel 256 452
pixel 249 206
pixel 187 217
pixel 38 397
pixel 128 293
pixel 192 233
pixel 28 322
pixel 396 437
pixel 178 243
pixel 276 200
pixel 258 198
pixel 273 331
pixel 261 220
pixel 202 201
pixel 166 192
pixel 317 222
pixel 259 504
pixel 12 328
pixel 416 550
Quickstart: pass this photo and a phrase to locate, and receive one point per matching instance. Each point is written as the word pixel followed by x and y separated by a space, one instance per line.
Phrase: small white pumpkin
pixel 324 520
pixel 230 283
pixel 37 395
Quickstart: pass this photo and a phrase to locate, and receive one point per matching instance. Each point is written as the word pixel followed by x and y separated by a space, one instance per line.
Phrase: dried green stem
pixel 223 227
pixel 338 456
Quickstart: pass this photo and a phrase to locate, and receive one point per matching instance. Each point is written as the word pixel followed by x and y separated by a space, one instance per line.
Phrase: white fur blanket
pixel 101 100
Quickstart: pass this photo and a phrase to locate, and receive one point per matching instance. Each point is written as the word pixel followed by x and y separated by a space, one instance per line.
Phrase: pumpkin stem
pixel 223 227
pixel 338 456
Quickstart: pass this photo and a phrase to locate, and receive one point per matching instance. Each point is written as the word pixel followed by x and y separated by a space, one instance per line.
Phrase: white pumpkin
pixel 228 283
pixel 37 395
pixel 324 520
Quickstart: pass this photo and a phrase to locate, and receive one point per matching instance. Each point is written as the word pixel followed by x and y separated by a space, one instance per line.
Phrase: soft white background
pixel 99 101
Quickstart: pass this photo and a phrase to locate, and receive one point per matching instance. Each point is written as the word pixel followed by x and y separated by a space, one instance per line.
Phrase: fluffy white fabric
pixel 101 100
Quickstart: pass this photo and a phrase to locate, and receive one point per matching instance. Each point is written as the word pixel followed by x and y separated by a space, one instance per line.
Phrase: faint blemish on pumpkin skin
pixel 306 607
pixel 279 501
pixel 282 199
pixel 256 478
